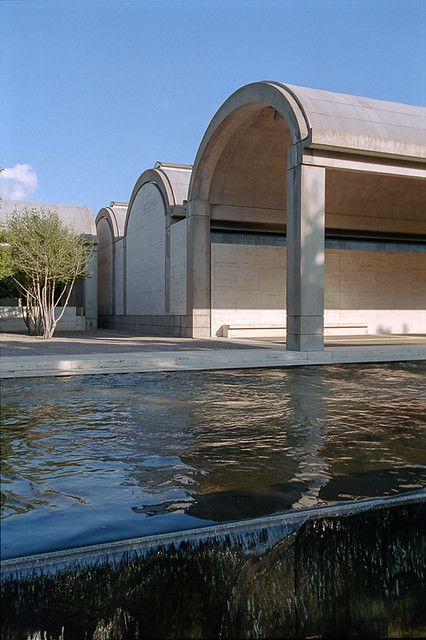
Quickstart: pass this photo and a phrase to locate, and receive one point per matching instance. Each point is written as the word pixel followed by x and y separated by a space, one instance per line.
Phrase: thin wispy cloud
pixel 18 182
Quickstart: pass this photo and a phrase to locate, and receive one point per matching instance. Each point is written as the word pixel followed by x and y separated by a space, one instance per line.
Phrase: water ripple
pixel 143 453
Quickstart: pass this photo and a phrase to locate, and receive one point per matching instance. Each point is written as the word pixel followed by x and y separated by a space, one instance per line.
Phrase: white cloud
pixel 18 182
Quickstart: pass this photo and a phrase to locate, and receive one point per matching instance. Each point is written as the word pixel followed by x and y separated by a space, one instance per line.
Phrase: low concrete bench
pixel 279 331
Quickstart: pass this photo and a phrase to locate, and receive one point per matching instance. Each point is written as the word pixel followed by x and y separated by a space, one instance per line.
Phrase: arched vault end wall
pixel 145 253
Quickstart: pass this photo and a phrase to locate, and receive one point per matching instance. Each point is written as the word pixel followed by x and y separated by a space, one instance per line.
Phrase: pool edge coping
pixel 199 360
pixel 91 553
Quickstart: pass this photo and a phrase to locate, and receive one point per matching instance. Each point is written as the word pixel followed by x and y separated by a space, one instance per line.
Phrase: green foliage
pixel 44 258
pixel 5 258
pixel 41 246
pixel 8 287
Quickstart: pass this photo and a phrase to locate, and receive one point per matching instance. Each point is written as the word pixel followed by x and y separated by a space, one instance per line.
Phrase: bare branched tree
pixel 45 259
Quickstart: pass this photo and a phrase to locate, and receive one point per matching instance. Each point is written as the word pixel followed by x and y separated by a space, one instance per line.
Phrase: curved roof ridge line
pixel 318 118
pixel 108 213
pixel 172 191
pixel 265 93
pixel 78 217
pixel 172 165
pixel 296 98
pixel 160 178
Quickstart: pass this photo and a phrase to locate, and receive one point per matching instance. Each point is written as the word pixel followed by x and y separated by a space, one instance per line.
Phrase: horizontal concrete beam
pixel 353 162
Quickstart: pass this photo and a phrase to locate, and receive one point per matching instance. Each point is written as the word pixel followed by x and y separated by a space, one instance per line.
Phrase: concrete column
pixel 167 272
pixel 305 256
pixel 198 269
pixel 91 291
pixel 125 276
pixel 113 276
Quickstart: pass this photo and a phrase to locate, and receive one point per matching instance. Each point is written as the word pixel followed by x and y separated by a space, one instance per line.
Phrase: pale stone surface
pixel 198 271
pixel 145 242
pixel 283 159
pixel 363 124
pixel 362 289
pixel 110 223
pixel 367 202
pixel 119 270
pixel 149 253
pixel 90 291
pixel 202 359
pixel 305 257
pixel 248 286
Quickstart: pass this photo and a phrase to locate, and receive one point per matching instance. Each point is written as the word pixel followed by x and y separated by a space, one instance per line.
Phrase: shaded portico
pixel 310 165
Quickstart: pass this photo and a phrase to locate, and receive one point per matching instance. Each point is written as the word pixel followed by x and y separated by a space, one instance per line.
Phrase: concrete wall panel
pixel 248 286
pixel 119 277
pixel 145 254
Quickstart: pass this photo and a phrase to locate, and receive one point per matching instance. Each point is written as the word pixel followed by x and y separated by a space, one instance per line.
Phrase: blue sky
pixel 94 92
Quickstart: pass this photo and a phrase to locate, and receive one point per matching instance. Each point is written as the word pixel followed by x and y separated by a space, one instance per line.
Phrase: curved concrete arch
pixel 240 107
pixel 149 176
pixel 271 159
pixel 318 118
pixel 171 180
pixel 356 124
pixel 116 218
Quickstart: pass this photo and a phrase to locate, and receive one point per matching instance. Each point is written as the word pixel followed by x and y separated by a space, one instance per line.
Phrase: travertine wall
pixel 383 290
pixel 145 251
pixel 178 268
pixel 248 285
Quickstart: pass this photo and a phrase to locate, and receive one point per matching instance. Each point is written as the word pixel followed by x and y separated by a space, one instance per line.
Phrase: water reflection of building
pixel 257 443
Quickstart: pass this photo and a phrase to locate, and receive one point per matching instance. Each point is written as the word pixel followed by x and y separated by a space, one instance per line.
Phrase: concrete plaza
pixel 117 352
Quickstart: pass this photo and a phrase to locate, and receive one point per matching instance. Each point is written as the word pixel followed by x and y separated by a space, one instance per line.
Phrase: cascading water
pixel 336 453
pixel 353 570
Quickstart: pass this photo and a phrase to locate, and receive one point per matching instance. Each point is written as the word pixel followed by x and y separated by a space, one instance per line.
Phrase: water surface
pixel 98 458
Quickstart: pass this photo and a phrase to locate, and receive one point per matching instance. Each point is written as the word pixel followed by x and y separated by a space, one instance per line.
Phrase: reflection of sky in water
pixel 99 458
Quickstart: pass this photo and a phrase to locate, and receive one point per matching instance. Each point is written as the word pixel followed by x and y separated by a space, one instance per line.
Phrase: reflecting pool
pixel 98 458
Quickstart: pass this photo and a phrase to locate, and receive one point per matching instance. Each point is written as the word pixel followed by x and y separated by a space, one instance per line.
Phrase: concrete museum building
pixel 304 215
